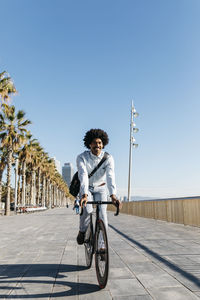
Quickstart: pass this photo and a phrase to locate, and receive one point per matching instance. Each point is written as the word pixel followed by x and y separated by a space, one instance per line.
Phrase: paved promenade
pixel 39 259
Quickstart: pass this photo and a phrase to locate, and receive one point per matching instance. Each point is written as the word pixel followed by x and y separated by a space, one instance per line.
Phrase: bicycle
pixel 96 242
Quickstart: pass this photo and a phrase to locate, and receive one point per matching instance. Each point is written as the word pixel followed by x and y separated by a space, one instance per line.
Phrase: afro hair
pixel 95 134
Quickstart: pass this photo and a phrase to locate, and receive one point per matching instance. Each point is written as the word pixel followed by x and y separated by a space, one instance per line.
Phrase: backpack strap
pixel 99 164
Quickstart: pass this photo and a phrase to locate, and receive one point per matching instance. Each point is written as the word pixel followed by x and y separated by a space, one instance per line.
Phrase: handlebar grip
pixel 82 208
pixel 81 211
pixel 117 210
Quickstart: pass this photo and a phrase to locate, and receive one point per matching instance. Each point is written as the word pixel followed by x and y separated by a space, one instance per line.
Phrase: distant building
pixel 121 198
pixel 67 172
pixel 57 164
pixel 125 199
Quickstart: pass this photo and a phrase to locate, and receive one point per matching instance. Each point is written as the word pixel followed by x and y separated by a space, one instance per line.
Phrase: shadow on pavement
pixel 169 264
pixel 24 280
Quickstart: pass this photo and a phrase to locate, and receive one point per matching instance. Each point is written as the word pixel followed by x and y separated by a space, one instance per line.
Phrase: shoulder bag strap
pixel 99 164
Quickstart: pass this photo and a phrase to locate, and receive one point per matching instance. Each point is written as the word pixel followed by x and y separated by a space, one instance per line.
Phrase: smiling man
pixel 100 183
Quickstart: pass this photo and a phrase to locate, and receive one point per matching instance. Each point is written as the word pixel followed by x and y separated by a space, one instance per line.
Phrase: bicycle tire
pixel 101 256
pixel 88 243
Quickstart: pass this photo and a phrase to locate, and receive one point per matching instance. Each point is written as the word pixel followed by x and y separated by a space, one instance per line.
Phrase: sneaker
pixel 80 237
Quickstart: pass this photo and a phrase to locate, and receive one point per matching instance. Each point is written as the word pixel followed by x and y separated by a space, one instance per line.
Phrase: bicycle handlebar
pixel 103 202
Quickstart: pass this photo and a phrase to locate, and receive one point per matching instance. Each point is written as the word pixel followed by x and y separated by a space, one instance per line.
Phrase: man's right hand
pixel 84 200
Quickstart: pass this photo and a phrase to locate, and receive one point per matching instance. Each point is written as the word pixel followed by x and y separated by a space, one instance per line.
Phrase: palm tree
pixel 53 184
pixel 33 166
pixel 13 134
pixel 61 190
pixel 25 157
pixel 6 86
pixel 41 157
pixel 44 170
pixel 50 174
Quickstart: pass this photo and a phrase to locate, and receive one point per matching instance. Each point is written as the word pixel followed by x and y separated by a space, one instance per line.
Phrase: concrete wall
pixel 178 210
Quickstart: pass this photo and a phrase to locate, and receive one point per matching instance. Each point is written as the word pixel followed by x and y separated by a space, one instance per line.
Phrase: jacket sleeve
pixel 82 175
pixel 110 176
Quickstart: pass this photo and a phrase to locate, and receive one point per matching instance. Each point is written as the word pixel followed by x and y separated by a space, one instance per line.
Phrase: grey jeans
pixel 94 194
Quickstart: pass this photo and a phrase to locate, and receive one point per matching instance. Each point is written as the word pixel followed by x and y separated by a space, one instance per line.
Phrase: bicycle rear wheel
pixel 88 243
pixel 101 254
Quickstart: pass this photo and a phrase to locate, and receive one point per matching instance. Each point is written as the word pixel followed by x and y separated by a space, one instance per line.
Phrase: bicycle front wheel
pixel 88 243
pixel 101 254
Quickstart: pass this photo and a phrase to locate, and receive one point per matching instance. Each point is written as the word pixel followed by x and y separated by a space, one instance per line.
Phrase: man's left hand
pixel 116 201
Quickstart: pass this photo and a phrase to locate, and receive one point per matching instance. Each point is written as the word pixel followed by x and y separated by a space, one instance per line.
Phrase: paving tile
pixel 100 295
pixel 197 294
pixel 178 293
pixel 192 284
pixel 125 287
pixel 147 267
pixel 115 273
pixel 154 280
pixel 133 258
pixel 132 297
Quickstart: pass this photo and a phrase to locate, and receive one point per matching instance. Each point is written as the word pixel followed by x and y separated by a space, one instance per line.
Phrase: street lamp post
pixel 133 129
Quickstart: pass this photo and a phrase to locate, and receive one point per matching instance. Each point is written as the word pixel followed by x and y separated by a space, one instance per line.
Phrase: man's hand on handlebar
pixel 84 200
pixel 116 201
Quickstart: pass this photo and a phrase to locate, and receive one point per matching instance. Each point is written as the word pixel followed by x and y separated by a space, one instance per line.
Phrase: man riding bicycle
pixel 95 188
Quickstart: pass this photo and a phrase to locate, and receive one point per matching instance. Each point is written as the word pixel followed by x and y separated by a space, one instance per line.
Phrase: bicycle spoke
pixel 88 243
pixel 101 254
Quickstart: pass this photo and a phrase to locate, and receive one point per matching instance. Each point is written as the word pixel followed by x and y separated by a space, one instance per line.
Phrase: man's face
pixel 96 146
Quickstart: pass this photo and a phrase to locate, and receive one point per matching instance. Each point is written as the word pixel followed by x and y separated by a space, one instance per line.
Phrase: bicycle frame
pixel 92 246
pixel 98 203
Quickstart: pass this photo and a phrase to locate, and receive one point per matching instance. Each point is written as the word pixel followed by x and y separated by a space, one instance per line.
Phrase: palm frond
pixel 25 123
pixel 20 114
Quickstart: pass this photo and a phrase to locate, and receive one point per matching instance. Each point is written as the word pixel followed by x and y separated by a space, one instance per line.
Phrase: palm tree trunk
pixel 50 194
pixel 24 184
pixel 59 198
pixel 9 167
pixel 43 191
pixel 47 193
pixel 33 188
pixel 16 182
pixel 38 187
pixel 28 194
pixel 18 190
pixel 1 175
pixel 56 199
pixel 53 194
pixel 54 203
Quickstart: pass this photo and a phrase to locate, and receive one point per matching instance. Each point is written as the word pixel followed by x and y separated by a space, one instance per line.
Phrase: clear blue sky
pixel 78 64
